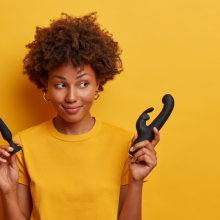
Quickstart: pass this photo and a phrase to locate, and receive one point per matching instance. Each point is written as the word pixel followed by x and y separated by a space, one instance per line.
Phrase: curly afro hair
pixel 76 40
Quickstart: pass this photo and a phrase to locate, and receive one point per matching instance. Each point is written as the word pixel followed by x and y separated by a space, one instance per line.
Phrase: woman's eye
pixel 84 84
pixel 60 85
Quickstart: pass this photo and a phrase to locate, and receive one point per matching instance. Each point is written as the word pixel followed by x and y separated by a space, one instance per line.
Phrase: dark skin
pixel 69 88
pixel 144 160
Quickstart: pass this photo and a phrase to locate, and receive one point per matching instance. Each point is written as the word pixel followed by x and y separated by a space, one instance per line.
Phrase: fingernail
pixel 156 128
pixel 131 149
pixel 11 148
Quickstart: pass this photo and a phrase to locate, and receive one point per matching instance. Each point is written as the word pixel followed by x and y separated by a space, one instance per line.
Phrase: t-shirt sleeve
pixel 23 174
pixel 125 173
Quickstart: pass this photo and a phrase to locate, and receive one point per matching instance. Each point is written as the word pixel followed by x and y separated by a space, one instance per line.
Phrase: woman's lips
pixel 72 109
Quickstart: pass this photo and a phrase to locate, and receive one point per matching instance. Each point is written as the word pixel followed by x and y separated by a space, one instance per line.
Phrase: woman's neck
pixel 74 128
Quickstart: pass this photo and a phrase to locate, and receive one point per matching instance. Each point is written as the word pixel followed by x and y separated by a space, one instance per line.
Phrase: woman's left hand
pixel 144 160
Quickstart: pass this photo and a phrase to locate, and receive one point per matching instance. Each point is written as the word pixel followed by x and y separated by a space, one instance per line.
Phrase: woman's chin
pixel 73 118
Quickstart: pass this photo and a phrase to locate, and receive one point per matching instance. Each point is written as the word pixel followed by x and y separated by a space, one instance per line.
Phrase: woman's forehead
pixel 71 69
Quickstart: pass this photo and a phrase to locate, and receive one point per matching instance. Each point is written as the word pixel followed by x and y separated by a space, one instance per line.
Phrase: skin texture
pixel 76 90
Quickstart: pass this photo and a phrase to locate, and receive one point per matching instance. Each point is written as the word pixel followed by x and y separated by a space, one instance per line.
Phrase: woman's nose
pixel 71 95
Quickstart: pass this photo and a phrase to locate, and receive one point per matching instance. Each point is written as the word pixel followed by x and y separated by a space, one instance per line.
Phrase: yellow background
pixel 168 47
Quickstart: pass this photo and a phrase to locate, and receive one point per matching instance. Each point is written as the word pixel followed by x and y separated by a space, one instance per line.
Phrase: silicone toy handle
pixel 6 134
pixel 146 132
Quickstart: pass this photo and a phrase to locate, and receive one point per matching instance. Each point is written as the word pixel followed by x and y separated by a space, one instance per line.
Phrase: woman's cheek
pixel 57 97
pixel 87 96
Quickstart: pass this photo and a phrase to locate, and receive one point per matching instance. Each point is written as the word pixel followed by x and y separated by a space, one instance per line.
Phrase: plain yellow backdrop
pixel 168 47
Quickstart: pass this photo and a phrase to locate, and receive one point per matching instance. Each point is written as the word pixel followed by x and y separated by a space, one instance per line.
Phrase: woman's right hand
pixel 9 170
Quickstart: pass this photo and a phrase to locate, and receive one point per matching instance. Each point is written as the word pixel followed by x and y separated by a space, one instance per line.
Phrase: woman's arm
pixel 140 165
pixel 132 205
pixel 10 207
pixel 24 200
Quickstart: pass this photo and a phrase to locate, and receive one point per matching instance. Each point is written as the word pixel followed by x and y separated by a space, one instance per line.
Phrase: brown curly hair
pixel 76 40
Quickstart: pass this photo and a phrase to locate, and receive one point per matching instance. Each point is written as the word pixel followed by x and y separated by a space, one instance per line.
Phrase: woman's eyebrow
pixel 82 75
pixel 60 77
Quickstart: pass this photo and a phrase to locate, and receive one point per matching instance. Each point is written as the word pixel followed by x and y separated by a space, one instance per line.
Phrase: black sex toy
pixel 146 132
pixel 6 134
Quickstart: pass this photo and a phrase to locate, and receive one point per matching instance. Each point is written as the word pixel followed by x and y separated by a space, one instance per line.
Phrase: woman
pixel 74 166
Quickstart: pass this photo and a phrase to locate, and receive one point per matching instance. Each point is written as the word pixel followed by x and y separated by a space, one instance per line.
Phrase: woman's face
pixel 72 92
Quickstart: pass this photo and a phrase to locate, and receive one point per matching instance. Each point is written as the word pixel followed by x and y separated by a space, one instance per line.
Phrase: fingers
pixel 4 155
pixel 3 160
pixel 142 152
pixel 14 162
pixel 145 144
pixel 156 137
pixel 134 137
pixel 4 149
pixel 148 160
pixel 145 148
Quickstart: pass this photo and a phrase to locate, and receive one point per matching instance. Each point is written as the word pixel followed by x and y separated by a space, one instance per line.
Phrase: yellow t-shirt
pixel 74 177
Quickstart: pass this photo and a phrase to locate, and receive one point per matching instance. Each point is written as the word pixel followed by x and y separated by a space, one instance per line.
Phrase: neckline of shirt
pixel 81 137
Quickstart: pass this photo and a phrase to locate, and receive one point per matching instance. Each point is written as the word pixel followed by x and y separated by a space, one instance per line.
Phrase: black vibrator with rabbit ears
pixel 146 132
pixel 6 134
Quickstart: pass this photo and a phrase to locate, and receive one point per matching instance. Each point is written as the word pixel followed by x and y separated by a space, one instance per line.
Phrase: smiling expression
pixel 72 92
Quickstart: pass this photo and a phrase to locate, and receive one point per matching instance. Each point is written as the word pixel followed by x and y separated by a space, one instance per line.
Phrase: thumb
pixel 13 162
pixel 134 138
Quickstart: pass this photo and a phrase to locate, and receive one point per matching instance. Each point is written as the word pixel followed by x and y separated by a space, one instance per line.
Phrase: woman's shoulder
pixel 31 133
pixel 116 130
pixel 40 128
